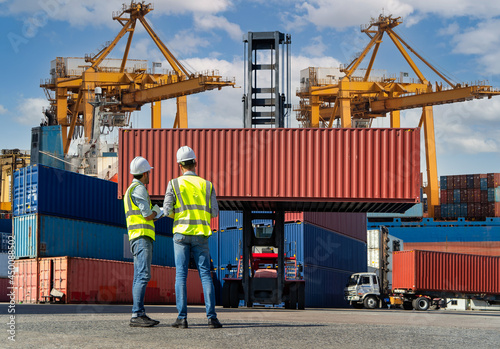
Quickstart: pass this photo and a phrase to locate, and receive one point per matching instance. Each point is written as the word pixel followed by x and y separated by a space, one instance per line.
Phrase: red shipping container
pixel 85 280
pixel 351 224
pixel 214 224
pixel 444 196
pixel 476 195
pixel 464 195
pixel 421 271
pixel 494 210
pixel 437 212
pixel 450 196
pixel 483 248
pixel 484 196
pixel 450 182
pixel 5 289
pixel 319 169
pixel 26 281
pixel 477 181
pixel 462 180
pixel 493 180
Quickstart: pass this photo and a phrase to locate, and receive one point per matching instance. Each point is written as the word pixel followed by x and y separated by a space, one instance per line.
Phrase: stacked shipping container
pixel 473 197
pixel 63 215
pixel 330 247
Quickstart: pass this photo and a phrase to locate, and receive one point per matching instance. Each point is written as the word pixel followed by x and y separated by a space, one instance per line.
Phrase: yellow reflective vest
pixel 192 209
pixel 137 225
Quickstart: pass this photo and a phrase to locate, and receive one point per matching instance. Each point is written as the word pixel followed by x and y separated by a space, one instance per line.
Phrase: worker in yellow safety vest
pixel 140 215
pixel 191 201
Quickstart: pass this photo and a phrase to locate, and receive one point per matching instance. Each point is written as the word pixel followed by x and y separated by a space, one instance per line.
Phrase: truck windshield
pixel 353 280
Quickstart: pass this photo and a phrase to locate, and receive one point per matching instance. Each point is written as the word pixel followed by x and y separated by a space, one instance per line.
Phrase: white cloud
pixel 30 111
pixel 210 22
pixel 316 48
pixel 3 110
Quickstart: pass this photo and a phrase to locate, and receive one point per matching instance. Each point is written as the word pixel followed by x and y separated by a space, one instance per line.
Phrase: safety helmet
pixel 139 166
pixel 184 154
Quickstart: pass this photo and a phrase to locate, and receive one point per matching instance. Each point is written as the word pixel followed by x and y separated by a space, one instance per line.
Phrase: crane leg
pixel 432 189
pixel 395 119
pixel 156 114
pixel 181 116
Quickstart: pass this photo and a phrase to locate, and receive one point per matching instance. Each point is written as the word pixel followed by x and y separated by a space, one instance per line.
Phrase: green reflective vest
pixel 137 225
pixel 192 205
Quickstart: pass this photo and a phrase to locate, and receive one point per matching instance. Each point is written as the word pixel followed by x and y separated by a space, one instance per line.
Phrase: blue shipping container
pixel 46 147
pixel 6 225
pixel 469 182
pixel 46 190
pixel 429 230
pixel 48 236
pixel 494 194
pixel 463 210
pixel 456 196
pixel 325 287
pixel 484 183
pixel 443 182
pixel 5 242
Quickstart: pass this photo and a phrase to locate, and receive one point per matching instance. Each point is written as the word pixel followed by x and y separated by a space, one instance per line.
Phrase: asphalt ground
pixel 107 326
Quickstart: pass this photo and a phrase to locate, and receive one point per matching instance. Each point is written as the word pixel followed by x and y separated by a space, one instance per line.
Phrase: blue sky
pixel 461 37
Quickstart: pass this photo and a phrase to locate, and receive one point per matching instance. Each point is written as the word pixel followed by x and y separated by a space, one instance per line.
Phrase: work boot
pixel 180 323
pixel 143 321
pixel 214 323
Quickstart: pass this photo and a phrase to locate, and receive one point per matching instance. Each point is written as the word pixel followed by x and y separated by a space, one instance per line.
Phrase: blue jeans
pixel 142 250
pixel 197 245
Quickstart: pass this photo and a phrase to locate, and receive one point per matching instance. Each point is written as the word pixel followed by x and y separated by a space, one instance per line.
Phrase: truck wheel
pixel 422 303
pixel 301 296
pixel 233 295
pixel 225 295
pixel 370 302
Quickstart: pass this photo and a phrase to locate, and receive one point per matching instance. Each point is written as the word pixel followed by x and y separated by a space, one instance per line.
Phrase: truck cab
pixel 363 289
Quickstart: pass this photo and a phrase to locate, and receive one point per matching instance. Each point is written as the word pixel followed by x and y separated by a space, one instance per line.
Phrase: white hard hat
pixel 185 154
pixel 139 166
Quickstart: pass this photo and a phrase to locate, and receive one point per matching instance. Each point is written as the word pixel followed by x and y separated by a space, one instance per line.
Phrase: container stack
pixel 330 247
pixel 473 197
pixel 61 214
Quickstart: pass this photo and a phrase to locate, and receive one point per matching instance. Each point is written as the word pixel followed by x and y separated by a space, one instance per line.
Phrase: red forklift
pixel 269 276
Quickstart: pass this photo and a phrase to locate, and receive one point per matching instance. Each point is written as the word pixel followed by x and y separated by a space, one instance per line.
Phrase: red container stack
pixel 85 280
pixel 478 198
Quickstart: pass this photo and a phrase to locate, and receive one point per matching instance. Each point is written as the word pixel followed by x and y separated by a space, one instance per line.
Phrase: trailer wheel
pixel 226 294
pixel 370 302
pixel 234 300
pixel 301 296
pixel 422 303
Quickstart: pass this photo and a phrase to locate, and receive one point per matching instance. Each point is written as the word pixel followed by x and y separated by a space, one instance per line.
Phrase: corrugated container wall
pixel 5 289
pixel 6 225
pixel 48 236
pixel 325 287
pixel 441 271
pixel 483 248
pixel 368 169
pixel 83 280
pixel 46 190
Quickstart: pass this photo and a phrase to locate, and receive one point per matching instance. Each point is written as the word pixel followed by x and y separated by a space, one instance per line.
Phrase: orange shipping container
pixel 422 271
pixel 483 248
pixel 26 281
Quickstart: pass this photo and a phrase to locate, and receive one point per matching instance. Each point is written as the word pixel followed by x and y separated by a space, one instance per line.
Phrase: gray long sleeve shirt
pixel 169 202
pixel 140 197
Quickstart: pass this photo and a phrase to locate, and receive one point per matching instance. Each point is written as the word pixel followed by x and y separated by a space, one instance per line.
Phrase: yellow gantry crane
pixel 358 98
pixel 131 88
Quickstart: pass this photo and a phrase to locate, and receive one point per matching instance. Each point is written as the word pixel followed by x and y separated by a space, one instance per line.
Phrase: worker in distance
pixel 191 201
pixel 140 215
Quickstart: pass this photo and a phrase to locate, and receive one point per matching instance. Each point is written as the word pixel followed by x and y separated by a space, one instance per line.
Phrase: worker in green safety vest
pixel 192 202
pixel 140 215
